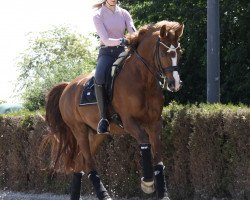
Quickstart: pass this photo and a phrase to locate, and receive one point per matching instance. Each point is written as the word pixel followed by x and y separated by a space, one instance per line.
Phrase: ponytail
pixel 99 5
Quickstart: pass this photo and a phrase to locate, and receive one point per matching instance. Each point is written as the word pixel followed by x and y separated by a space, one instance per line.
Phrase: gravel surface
pixel 9 195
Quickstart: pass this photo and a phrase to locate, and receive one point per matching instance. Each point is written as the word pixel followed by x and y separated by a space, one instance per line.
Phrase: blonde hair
pixel 99 5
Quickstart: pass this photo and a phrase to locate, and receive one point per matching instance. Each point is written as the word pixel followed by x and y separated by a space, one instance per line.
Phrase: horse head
pixel 159 49
pixel 167 55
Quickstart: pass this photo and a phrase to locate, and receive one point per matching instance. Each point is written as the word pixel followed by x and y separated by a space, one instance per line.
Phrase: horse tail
pixel 60 137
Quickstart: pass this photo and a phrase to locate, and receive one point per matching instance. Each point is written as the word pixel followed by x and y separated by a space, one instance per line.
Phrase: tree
pixel 2 101
pixel 53 56
pixel 235 45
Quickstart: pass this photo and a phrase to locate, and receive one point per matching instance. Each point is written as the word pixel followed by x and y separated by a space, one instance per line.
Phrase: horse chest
pixel 154 106
pixel 149 108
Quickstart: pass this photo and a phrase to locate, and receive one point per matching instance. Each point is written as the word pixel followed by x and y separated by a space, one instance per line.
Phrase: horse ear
pixel 163 31
pixel 179 31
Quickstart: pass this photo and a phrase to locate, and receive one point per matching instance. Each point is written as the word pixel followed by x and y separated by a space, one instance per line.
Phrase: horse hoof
pixel 147 187
pixel 165 198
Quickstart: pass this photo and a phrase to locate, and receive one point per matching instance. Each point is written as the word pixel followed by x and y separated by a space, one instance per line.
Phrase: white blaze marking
pixel 175 73
pixel 174 59
pixel 177 80
pixel 174 63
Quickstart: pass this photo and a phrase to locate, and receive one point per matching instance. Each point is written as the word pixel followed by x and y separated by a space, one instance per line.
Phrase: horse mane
pixel 136 37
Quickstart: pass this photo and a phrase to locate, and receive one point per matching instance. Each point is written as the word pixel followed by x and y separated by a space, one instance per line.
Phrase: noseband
pixel 159 66
pixel 160 69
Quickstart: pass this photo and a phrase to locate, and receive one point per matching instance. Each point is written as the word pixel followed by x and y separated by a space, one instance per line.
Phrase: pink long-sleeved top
pixel 110 26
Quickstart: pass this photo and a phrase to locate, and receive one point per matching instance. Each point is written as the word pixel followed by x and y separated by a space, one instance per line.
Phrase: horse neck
pixel 145 44
pixel 148 55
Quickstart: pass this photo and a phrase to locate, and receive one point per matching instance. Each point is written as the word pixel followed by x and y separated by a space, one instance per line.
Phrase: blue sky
pixel 18 18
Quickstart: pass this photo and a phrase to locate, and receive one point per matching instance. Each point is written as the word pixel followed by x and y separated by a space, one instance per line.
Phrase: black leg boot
pixel 101 191
pixel 161 188
pixel 103 125
pixel 75 190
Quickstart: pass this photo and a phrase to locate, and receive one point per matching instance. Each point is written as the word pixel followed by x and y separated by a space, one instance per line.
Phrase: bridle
pixel 160 69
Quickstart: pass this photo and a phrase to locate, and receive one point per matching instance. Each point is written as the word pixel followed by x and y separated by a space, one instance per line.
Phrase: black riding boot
pixel 103 125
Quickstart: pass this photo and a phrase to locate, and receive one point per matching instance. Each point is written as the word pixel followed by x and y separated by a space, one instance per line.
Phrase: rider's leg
pixel 103 125
pixel 104 62
pixel 106 58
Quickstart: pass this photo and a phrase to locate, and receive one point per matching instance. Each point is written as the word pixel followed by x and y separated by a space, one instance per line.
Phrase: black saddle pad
pixel 88 95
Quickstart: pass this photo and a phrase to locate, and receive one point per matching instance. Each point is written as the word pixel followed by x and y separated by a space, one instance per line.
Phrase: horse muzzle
pixel 173 85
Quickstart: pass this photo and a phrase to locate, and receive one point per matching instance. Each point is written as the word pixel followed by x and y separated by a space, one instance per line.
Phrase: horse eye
pixel 163 53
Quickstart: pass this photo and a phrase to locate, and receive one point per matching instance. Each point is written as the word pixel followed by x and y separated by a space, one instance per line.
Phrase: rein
pixel 160 69
pixel 145 63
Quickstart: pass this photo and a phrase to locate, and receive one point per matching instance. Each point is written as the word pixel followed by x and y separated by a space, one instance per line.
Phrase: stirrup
pixel 103 126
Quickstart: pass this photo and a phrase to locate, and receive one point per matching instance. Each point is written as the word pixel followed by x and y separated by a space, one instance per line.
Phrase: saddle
pixel 88 96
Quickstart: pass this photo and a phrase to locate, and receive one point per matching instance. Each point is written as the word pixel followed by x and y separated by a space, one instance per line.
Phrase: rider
pixel 110 21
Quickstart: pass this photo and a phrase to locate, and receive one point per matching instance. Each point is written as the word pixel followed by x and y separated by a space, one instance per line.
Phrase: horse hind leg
pixel 79 167
pixel 75 189
pixel 100 189
pixel 94 178
pixel 82 133
pixel 95 140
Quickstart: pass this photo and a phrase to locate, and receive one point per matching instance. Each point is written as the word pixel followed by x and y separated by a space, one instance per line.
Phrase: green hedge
pixel 209 151
pixel 206 154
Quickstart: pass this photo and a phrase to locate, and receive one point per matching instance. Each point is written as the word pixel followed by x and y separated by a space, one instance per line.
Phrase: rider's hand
pixel 124 42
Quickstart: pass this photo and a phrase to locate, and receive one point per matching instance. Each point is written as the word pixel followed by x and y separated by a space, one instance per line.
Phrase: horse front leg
pixel 160 181
pixel 136 131
pixel 147 181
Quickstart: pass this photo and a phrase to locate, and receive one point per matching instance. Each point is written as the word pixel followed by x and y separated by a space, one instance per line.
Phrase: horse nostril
pixel 181 83
pixel 171 84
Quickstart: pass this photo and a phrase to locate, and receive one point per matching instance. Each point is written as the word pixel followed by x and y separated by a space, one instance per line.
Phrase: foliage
pixel 53 56
pixel 61 55
pixel 205 153
pixel 24 113
pixel 234 39
pixel 2 101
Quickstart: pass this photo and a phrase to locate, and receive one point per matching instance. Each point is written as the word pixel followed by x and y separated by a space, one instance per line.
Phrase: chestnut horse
pixel 137 98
